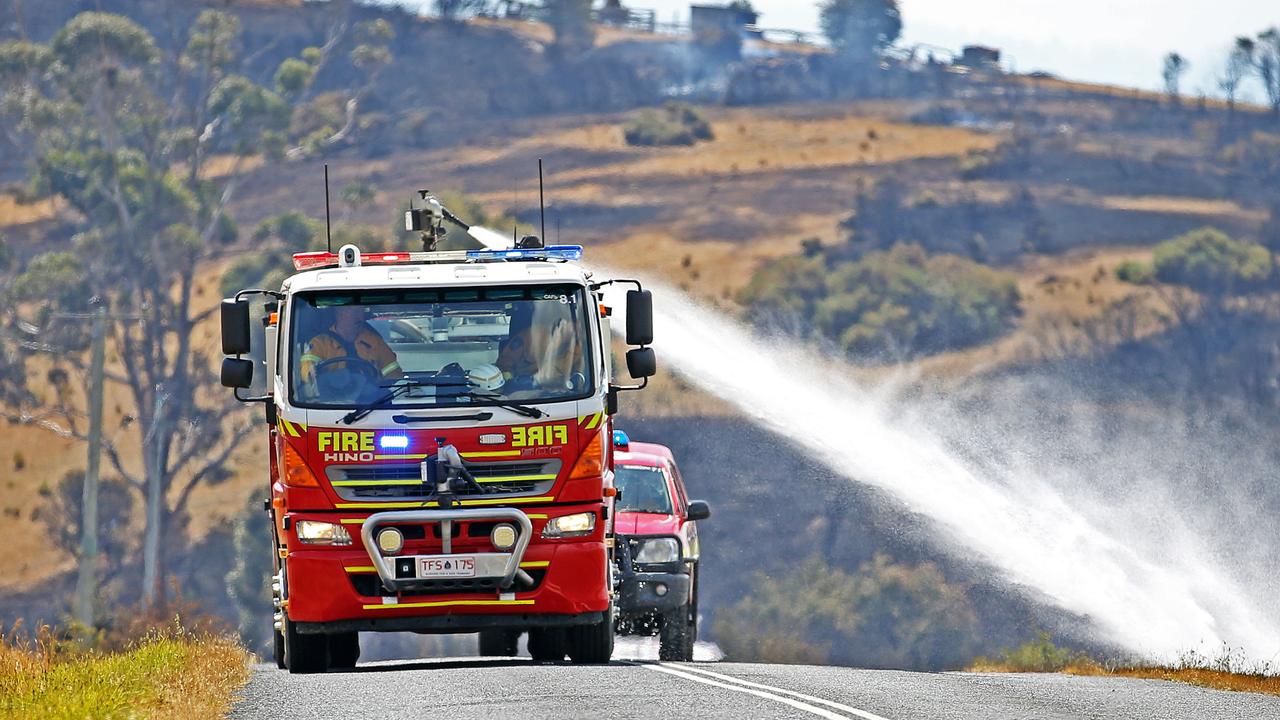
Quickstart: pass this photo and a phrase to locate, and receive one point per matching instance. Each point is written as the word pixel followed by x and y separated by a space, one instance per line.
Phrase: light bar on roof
pixel 555 252
pixel 316 260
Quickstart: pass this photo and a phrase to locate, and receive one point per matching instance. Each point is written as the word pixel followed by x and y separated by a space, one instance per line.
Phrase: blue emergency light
pixel 393 442
pixel 554 252
pixel 620 440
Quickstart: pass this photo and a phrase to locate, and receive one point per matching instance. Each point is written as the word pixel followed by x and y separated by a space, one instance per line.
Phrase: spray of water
pixel 989 504
pixel 490 238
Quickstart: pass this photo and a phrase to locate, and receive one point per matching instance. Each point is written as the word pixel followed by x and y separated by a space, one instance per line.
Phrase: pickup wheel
pixel 499 643
pixel 547 644
pixel 679 629
pixel 344 650
pixel 304 653
pixel 592 644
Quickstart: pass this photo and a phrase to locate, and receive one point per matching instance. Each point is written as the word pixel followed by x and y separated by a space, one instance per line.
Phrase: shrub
pixel 1209 261
pixel 1136 272
pixel 902 301
pixel 1039 655
pixel 886 614
pixel 674 124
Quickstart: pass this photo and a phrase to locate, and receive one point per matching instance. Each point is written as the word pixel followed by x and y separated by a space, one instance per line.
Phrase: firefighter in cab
pixel 348 358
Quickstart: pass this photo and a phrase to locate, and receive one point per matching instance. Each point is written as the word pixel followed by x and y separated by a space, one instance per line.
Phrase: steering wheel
pixel 360 374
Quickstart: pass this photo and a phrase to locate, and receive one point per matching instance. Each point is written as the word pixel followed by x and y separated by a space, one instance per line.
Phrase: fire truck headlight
pixel 315 532
pixel 390 541
pixel 503 536
pixel 658 551
pixel 575 525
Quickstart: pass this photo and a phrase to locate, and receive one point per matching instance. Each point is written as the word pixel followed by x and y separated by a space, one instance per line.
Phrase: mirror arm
pixel 644 383
pixel 595 287
pixel 255 398
pixel 258 291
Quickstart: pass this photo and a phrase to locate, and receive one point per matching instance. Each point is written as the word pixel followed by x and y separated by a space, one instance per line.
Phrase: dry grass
pixel 165 676
pixel 1228 670
pixel 13 212
pixel 1202 677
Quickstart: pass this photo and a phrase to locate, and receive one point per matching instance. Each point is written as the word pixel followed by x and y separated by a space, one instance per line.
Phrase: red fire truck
pixel 440 445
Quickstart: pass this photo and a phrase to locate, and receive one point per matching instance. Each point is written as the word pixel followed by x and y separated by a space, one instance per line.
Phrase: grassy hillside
pixel 703 218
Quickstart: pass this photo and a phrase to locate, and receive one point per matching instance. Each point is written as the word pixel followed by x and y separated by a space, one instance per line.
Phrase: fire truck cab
pixel 440 447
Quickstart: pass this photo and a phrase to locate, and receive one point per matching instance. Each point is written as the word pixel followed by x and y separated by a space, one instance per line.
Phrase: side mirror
pixel 642 363
pixel 237 372
pixel 639 319
pixel 699 510
pixel 235 329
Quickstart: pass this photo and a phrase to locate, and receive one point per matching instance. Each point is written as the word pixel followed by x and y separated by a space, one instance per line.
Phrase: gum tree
pixel 123 135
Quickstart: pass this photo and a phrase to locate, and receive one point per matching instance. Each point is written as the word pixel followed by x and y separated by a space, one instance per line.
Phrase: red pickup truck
pixel 657 541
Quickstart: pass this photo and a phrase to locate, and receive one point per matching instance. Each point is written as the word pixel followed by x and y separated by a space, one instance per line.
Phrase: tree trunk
pixel 153 452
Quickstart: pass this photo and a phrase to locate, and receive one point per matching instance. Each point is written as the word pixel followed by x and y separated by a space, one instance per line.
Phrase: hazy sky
pixel 1114 41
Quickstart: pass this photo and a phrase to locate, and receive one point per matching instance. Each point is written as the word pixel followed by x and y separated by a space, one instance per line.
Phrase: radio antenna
pixel 328 230
pixel 542 203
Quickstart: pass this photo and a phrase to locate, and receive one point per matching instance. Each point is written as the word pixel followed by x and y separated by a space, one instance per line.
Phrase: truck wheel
pixel 304 653
pixel 277 648
pixel 499 643
pixel 592 644
pixel 547 644
pixel 675 639
pixel 344 650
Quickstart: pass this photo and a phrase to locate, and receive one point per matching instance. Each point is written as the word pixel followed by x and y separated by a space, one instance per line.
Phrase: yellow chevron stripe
pixel 363 483
pixel 360 521
pixel 449 603
pixel 595 420
pixel 492 453
pixel 433 503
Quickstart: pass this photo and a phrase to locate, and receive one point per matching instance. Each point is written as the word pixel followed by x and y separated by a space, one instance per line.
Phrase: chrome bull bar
pixel 445 517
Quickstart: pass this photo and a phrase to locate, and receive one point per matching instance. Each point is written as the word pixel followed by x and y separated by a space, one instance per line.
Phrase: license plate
pixel 447 566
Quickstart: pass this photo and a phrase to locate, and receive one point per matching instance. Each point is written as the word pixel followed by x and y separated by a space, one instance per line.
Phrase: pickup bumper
pixel 638 592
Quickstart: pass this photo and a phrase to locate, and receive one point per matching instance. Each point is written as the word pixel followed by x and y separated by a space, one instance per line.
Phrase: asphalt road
pixel 520 688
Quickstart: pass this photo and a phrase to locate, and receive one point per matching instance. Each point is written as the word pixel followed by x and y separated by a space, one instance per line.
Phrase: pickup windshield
pixel 451 346
pixel 642 489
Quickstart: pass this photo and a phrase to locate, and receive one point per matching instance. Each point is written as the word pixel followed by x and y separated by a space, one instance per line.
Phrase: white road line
pixel 766 694
pixel 829 703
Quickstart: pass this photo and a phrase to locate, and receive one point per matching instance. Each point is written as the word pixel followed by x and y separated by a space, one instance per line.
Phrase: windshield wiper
pixel 525 410
pixel 395 392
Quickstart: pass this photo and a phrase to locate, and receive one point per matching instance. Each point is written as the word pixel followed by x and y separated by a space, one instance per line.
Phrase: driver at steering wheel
pixel 349 343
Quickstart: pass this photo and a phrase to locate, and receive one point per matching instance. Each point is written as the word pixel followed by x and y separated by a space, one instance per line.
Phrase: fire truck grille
pixel 404 481
pixel 369 585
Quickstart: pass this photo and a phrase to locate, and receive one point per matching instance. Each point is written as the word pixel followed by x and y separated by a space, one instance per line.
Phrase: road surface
pixel 520 688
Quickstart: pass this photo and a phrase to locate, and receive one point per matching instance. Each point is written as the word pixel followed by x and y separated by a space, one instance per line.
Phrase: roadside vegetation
pixel 1224 670
pixel 168 673
pixel 673 124
pixel 889 305
pixel 884 615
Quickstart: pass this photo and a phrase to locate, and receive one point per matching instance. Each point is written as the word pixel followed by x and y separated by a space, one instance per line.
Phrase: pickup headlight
pixel 658 551
pixel 575 525
pixel 315 532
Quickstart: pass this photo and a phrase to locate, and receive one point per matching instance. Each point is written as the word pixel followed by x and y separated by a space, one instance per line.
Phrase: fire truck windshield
pixel 450 346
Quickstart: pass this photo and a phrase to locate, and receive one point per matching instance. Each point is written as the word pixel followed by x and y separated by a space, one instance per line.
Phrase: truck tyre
pixel 304 653
pixel 679 629
pixel 277 648
pixel 499 643
pixel 344 650
pixel 547 644
pixel 592 644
